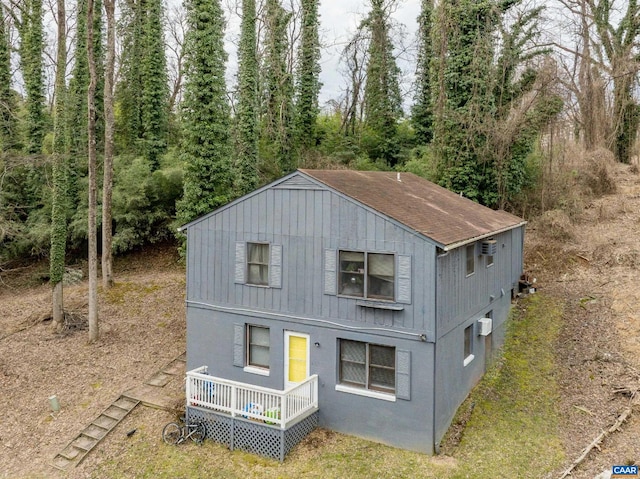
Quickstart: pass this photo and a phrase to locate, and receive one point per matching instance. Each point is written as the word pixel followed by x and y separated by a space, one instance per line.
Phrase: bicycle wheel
pixel 198 433
pixel 172 433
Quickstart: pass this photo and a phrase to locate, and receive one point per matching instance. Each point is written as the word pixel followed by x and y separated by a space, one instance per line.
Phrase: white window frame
pixel 249 263
pixel 256 368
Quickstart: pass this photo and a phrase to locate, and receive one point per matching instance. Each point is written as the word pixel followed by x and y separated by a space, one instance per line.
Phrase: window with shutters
pixel 258 346
pixel 367 275
pixel 258 264
pixel 367 366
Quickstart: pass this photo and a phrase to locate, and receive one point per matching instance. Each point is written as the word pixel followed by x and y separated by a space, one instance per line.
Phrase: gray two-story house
pixel 366 302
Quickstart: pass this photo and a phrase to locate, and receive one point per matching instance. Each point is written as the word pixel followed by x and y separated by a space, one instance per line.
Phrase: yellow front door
pixel 297 358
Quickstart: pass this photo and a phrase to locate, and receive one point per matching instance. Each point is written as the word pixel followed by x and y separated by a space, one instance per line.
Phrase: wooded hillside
pixel 498 104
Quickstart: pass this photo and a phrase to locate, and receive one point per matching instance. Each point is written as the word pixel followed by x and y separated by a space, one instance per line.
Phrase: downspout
pixel 436 444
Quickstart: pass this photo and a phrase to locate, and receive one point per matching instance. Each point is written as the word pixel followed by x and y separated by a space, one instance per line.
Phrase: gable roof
pixel 433 211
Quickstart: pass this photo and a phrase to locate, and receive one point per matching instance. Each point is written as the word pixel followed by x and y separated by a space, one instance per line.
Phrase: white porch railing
pixel 270 406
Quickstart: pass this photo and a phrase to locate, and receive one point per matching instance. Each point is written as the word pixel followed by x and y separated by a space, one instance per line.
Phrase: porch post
pixel 284 413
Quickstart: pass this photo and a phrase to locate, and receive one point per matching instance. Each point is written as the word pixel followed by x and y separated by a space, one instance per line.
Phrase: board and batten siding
pixel 306 222
pixel 460 296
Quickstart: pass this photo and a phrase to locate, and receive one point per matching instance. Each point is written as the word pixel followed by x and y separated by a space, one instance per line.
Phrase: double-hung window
pixel 367 366
pixel 258 346
pixel 367 275
pixel 258 264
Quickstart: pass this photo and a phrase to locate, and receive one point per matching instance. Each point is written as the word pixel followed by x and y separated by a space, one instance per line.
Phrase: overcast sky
pixel 339 20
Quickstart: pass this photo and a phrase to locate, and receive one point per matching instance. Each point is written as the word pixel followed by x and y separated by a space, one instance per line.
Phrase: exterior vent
pixel 484 326
pixel 488 248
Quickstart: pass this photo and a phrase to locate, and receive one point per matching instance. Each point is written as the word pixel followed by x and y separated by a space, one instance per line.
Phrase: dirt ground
pixel 142 328
pixel 590 263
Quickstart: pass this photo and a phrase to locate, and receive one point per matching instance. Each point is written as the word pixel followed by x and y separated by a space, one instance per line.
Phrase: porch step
pixel 174 368
pixel 77 449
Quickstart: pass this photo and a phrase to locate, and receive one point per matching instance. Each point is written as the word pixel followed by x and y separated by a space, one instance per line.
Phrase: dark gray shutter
pixel 241 262
pixel 330 272
pixel 275 266
pixel 404 279
pixel 238 345
pixel 403 374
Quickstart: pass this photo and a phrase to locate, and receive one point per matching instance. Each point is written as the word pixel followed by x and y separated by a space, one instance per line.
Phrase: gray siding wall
pixel 454 380
pixel 306 223
pixel 460 297
pixel 404 423
pixel 461 301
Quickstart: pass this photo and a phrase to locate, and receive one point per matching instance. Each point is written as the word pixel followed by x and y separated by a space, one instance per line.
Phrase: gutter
pixel 453 246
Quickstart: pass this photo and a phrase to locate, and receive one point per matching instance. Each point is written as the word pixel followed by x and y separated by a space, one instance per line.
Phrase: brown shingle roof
pixel 423 206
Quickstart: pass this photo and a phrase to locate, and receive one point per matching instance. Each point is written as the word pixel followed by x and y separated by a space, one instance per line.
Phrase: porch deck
pixel 260 420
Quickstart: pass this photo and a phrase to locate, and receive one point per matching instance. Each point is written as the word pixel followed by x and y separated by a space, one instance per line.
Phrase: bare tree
pixel 354 58
pixel 603 70
pixel 176 27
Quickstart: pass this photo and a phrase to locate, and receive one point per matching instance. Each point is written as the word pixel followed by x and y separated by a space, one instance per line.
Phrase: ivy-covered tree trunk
pixel 31 49
pixel 143 92
pixel 128 89
pixel 109 144
pixel 77 92
pixel 276 138
pixel 492 97
pixel 246 164
pixel 8 123
pixel 308 85
pixel 422 110
pixel 618 31
pixel 626 116
pixel 463 39
pixel 93 195
pixel 382 101
pixel 59 201
pixel 155 89
pixel 205 147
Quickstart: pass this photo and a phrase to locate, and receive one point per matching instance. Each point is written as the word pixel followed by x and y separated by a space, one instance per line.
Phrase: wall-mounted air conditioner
pixel 488 247
pixel 484 326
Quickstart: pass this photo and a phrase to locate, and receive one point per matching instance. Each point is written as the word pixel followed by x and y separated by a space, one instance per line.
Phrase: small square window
pixel 258 264
pixel 489 260
pixel 471 259
pixel 468 344
pixel 258 346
